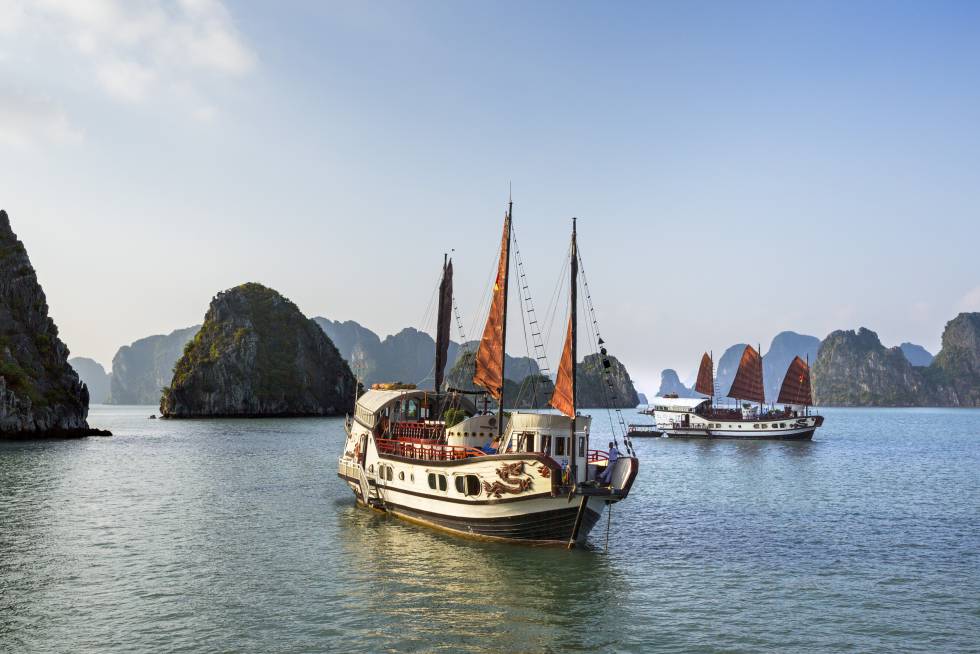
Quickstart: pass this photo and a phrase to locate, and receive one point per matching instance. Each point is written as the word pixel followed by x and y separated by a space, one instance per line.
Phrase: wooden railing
pixel 598 455
pixel 425 449
pixel 403 430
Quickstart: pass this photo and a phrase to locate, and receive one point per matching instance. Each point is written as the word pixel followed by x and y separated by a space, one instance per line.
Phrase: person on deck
pixel 613 455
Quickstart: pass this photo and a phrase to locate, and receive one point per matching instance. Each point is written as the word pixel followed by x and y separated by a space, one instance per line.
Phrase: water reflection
pixel 474 595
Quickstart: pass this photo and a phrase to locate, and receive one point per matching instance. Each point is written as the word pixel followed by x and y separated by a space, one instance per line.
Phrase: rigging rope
pixel 602 351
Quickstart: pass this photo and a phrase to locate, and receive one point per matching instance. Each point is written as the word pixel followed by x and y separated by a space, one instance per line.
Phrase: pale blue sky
pixel 738 168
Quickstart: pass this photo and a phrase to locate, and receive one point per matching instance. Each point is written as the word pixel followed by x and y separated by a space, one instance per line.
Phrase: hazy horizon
pixel 738 169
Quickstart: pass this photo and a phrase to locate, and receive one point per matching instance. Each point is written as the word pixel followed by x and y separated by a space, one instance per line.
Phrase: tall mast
pixel 573 300
pixel 503 327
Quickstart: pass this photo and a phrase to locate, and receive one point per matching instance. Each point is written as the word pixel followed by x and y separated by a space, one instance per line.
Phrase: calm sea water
pixel 237 536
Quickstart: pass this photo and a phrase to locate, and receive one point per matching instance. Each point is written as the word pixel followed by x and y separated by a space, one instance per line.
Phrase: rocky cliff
pixel 40 393
pixel 670 383
pixel 257 355
pixel 955 372
pixel 855 369
pixel 142 369
pixel 94 376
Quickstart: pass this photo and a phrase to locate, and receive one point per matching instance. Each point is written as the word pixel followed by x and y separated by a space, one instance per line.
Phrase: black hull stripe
pixel 801 436
pixel 544 527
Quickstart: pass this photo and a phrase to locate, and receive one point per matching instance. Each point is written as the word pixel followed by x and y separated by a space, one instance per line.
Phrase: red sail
pixel 443 323
pixel 489 356
pixel 563 398
pixel 796 384
pixel 705 383
pixel 748 380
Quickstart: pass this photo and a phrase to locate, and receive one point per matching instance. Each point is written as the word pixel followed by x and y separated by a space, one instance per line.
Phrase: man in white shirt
pixel 613 455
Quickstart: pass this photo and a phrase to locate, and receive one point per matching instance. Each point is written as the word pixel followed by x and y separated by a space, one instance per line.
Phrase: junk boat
pixel 681 417
pixel 524 477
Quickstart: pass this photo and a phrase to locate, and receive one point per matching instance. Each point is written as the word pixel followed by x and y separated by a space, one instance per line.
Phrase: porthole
pixel 371 468
pixel 401 476
pixel 413 477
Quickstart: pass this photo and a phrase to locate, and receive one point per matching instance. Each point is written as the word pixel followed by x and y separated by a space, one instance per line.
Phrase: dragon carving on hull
pixel 509 482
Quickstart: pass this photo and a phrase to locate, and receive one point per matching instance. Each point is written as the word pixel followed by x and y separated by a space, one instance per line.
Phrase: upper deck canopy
pixel 677 403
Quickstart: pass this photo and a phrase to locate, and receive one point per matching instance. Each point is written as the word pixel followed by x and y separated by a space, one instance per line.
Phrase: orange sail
pixel 705 383
pixel 563 398
pixel 748 379
pixel 796 384
pixel 490 355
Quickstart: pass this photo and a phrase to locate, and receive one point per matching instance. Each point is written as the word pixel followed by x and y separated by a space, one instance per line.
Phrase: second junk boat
pixel 682 417
pixel 527 477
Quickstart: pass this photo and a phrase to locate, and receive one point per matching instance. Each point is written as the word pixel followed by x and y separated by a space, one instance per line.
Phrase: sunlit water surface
pixel 230 536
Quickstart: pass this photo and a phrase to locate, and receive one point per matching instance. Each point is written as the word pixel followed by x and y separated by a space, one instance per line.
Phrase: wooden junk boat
pixel 528 477
pixel 681 417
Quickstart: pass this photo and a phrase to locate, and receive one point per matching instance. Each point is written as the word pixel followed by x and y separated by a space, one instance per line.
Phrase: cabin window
pixel 560 445
pixel 371 468
pixel 432 480
pixel 460 485
pixel 472 485
pixel 525 442
pixel 391 473
pixel 782 425
pixel 581 446
pixel 412 408
pixel 443 484
pixel 765 426
pixel 546 443
pixel 401 476
pixel 413 477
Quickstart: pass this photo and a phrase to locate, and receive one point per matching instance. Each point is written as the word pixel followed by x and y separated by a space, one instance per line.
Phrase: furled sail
pixel 443 322
pixel 705 383
pixel 796 384
pixel 490 354
pixel 563 398
pixel 748 379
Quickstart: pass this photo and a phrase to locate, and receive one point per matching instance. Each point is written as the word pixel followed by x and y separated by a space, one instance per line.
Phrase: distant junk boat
pixel 529 478
pixel 678 417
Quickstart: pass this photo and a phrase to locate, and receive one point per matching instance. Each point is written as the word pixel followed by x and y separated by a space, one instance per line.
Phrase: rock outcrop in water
pixel 257 355
pixel 670 384
pixel 40 393
pixel 94 376
pixel 855 369
pixel 142 369
pixel 955 372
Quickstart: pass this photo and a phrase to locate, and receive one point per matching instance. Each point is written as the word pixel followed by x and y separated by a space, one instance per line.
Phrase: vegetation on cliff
pixel 40 393
pixel 257 355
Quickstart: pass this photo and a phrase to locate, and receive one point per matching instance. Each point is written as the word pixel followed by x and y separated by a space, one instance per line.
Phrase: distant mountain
pixel 534 391
pixel 408 356
pixel 775 362
pixel 142 369
pixel 671 383
pixel 726 367
pixel 642 398
pixel 916 354
pixel 94 376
